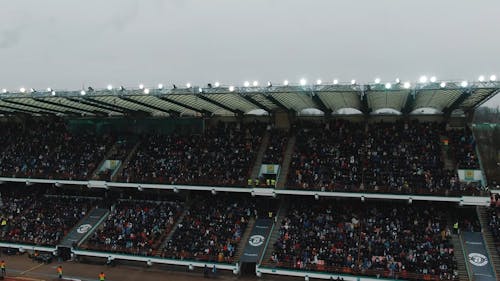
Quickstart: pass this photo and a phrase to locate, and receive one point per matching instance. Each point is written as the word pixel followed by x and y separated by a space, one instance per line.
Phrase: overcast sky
pixel 66 44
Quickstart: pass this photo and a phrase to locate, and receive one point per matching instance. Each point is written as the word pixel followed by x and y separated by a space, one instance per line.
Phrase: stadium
pixel 249 140
pixel 339 180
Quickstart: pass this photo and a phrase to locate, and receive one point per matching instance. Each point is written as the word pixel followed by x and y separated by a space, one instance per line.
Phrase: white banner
pixel 470 175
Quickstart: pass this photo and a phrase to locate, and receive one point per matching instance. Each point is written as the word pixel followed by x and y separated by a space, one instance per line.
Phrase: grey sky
pixel 64 44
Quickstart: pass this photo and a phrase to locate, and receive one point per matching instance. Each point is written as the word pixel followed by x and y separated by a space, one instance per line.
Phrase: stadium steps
pixel 85 227
pixel 459 257
pixel 273 237
pixel 106 157
pixel 489 241
pixel 260 155
pixel 280 184
pixel 448 161
pixel 125 162
pixel 459 254
pixel 244 238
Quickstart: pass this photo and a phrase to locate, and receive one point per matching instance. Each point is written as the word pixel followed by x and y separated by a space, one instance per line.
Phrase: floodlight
pixel 146 91
pixel 246 84
pixel 335 81
pixel 269 84
pixel 464 84
pixel 433 79
pixel 82 92
pixel 377 80
pixel 398 81
pixel 49 89
pixel 217 84
pixel 255 83
pixel 53 93
pixel 442 85
pixel 141 86
pixel 388 85
pixel 303 82
pixel 318 82
pixel 423 79
pixel 4 91
pixel 285 82
pixel 22 90
pixel 481 78
pixel 188 85
pixel 160 86
pixel 110 87
pixel 353 82
pixel 493 77
pixel 406 85
pixel 231 88
pixel 200 90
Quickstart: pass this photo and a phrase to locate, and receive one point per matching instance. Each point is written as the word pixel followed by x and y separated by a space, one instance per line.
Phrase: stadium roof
pixel 442 97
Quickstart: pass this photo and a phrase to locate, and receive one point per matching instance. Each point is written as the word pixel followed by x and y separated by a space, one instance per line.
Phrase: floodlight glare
pixel 22 90
pixel 231 88
pixel 406 85
pixel 160 86
pixel 49 89
pixel 141 86
pixel 442 85
pixel 82 92
pixel 481 78
pixel 216 84
pixel 433 79
pixel 388 85
pixel 110 87
pixel 285 82
pixel 53 93
pixel 423 79
pixel 255 83
pixel 188 85
pixel 4 91
pixel 269 84
pixel 303 82
pixel 464 84
pixel 353 82
pixel 146 91
pixel 493 78
pixel 246 84
pixel 335 81
pixel 398 81
pixel 377 80
pixel 318 82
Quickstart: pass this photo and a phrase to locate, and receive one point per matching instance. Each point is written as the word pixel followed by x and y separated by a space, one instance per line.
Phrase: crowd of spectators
pixel 136 227
pixel 222 155
pixel 396 157
pixel 463 147
pixel 44 148
pixel 40 220
pixel 327 156
pixel 211 229
pixel 275 150
pixel 371 239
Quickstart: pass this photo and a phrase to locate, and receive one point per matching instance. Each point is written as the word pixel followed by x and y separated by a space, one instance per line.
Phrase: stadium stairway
pixel 260 155
pixel 125 162
pixel 179 221
pixel 285 167
pixel 448 161
pixel 482 214
pixel 282 212
pixel 460 258
pixel 244 239
pixel 110 151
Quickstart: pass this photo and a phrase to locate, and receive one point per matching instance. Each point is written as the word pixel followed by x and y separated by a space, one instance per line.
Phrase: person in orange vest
pixel 102 276
pixel 59 272
pixel 2 266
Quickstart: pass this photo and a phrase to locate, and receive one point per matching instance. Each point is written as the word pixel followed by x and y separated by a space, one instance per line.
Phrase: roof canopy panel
pixel 231 101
